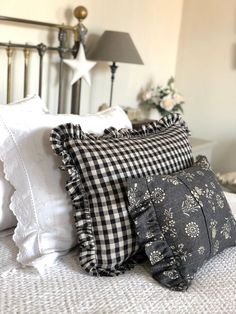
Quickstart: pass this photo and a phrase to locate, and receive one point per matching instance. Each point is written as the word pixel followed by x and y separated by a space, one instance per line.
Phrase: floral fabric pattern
pixel 192 229
pixel 155 257
pixel 169 224
pixel 181 220
pixel 189 205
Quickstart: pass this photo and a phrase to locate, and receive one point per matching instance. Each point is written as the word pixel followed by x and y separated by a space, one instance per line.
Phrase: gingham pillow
pixel 99 167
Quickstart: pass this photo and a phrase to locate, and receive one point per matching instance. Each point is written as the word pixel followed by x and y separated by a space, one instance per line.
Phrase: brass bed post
pixel 41 51
pixel 80 32
pixel 61 50
pixel 9 67
pixel 26 65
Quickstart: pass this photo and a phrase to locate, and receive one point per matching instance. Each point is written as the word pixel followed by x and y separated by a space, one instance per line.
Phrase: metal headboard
pixel 64 31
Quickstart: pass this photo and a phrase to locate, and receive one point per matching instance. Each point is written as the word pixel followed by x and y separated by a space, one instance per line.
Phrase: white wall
pixel 206 75
pixel 154 26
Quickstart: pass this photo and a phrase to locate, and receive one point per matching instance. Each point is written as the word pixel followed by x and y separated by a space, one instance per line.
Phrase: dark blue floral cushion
pixel 182 220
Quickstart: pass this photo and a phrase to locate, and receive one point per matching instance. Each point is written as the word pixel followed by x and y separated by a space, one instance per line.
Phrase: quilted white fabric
pixel 68 289
pixel 40 202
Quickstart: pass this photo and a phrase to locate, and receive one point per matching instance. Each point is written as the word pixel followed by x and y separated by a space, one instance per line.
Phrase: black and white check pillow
pixel 99 167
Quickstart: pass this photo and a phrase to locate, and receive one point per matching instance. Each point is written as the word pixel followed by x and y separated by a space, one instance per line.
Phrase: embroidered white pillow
pixel 40 202
pixel 28 104
pixel 7 218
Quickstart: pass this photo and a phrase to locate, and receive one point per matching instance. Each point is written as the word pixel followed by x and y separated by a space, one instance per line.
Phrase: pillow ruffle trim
pixel 69 130
pixel 20 232
pixel 164 264
pixel 79 198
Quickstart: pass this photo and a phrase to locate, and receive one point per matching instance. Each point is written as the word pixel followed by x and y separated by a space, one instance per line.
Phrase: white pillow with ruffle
pixel 29 104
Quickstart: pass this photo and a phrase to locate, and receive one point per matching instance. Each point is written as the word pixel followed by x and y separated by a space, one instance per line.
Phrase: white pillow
pixel 40 203
pixel 7 219
pixel 228 180
pixel 28 104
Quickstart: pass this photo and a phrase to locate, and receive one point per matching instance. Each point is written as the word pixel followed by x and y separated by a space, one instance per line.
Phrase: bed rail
pixel 38 23
pixel 78 31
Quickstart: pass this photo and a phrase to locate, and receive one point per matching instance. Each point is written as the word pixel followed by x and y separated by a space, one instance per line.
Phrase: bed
pixel 38 60
pixel 46 266
pixel 67 289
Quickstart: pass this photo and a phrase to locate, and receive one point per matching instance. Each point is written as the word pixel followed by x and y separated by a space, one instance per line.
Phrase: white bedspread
pixel 65 288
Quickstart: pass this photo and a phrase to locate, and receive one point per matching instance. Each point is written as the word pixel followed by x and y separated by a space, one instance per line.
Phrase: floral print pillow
pixel 182 220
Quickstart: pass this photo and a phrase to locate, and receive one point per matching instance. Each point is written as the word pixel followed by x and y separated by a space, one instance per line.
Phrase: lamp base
pixel 113 68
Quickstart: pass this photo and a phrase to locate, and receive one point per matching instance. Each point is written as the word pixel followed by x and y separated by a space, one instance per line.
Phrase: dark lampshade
pixel 116 47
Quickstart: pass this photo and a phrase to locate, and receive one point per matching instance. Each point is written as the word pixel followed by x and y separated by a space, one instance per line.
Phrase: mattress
pixel 66 288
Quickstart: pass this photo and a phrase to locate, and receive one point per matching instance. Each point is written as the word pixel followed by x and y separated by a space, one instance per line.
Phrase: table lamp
pixel 115 47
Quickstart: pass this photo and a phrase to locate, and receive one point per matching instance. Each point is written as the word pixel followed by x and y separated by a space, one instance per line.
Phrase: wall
pixel 154 26
pixel 206 75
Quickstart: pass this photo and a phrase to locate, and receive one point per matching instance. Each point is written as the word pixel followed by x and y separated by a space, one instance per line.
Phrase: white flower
pixel 168 213
pixel 149 179
pixel 172 274
pixel 158 195
pixel 167 103
pixel 226 229
pixel 201 250
pixel 178 98
pixel 171 179
pixel 146 195
pixel 192 229
pixel 147 95
pixel 189 277
pixel 219 201
pixel 149 235
pixel 181 252
pixel 189 205
pixel 197 192
pixel 216 247
pixel 189 177
pixel 164 98
pixel 155 257
pixel 149 244
pixel 213 228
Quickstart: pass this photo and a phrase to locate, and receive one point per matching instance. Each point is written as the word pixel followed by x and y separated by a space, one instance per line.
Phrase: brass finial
pixel 80 12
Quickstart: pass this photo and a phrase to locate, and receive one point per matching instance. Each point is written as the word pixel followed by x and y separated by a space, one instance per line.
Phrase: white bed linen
pixel 67 289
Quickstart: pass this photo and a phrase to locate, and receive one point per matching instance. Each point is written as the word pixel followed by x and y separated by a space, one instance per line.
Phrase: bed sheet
pixel 66 288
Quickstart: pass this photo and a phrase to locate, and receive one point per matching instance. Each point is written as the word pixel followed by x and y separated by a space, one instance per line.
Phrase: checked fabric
pixel 99 167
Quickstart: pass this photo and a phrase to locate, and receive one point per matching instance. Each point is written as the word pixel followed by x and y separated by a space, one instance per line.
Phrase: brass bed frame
pixel 63 49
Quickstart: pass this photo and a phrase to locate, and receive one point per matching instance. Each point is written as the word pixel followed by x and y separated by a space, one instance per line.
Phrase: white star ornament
pixel 80 67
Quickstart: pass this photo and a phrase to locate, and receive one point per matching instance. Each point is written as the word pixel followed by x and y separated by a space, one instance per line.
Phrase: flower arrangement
pixel 165 99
